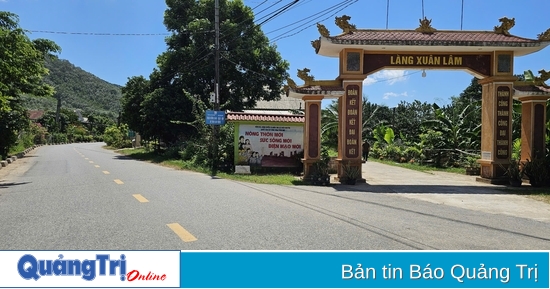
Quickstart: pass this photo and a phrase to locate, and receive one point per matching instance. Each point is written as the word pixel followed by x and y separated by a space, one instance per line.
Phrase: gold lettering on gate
pixel 426 60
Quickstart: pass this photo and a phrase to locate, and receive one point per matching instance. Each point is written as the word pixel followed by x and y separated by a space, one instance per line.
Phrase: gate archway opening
pixel 488 55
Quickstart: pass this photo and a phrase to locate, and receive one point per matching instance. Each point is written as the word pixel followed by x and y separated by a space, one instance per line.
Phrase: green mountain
pixel 77 89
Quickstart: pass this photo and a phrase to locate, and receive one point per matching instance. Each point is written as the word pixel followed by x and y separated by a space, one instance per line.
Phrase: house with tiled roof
pixel 286 109
pixel 35 115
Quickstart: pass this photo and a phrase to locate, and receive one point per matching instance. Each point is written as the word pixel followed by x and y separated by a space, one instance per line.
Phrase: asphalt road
pixel 83 197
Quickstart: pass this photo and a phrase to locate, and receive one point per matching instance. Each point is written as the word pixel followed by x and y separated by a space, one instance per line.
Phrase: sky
pixel 115 58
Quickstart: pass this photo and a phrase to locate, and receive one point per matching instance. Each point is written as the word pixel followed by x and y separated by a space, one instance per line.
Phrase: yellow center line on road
pixel 181 232
pixel 106 172
pixel 119 182
pixel 96 166
pixel 91 162
pixel 140 198
pixel 86 158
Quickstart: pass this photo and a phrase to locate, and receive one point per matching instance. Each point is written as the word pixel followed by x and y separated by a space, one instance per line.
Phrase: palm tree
pixel 329 125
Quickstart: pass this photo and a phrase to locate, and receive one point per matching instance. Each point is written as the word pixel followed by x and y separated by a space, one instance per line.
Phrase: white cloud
pixel 389 95
pixel 389 76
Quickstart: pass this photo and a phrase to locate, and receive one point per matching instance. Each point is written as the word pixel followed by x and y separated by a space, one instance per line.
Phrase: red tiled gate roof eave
pixel 241 116
pixel 444 38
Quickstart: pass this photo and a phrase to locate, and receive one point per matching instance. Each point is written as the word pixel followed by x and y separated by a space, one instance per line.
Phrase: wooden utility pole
pixel 216 85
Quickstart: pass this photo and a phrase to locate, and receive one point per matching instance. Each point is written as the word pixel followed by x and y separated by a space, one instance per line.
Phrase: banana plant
pixel 456 129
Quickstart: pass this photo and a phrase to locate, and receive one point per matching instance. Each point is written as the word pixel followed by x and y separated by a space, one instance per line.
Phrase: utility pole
pixel 216 84
pixel 58 112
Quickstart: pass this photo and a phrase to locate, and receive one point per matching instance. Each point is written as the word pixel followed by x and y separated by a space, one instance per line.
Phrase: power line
pixel 259 5
pixel 397 77
pixel 387 13
pixel 224 34
pixel 267 8
pixel 98 33
pixel 327 10
pixel 279 12
pixel 462 15
pixel 244 68
pixel 282 36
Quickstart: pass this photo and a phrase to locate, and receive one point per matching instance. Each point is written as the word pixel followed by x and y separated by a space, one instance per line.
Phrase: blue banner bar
pixel 365 269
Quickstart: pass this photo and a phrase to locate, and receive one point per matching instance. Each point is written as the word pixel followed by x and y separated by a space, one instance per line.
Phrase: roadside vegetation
pixel 33 79
pixel 150 155
pixel 168 107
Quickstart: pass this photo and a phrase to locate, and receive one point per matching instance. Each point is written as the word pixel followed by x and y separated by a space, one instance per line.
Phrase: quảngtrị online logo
pixel 31 268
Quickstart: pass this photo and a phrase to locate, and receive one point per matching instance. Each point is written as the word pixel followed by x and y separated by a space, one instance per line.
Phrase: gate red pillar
pixel 312 132
pixel 496 126
pixel 533 126
pixel 350 108
pixel 350 127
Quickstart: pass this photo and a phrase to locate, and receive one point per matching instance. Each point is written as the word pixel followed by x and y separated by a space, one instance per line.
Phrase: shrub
pixel 392 152
pixel 537 171
pixel 412 153
pixel 116 136
pixel 58 138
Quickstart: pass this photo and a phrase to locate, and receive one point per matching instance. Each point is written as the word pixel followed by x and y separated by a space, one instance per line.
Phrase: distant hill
pixel 78 89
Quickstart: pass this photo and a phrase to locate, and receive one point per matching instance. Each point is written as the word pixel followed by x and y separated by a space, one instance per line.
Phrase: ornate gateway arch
pixel 488 55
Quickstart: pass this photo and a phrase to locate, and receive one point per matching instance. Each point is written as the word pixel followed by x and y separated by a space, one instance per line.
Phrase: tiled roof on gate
pixel 319 89
pixel 531 88
pixel 444 38
pixel 241 116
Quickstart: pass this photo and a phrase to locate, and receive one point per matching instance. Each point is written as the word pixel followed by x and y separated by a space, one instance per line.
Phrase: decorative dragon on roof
pixel 323 30
pixel 544 36
pixel 425 26
pixel 304 75
pixel 506 24
pixel 543 76
pixel 316 44
pixel 343 23
pixel 290 85
pixel 537 80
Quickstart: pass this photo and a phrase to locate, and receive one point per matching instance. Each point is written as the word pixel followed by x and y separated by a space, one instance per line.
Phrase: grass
pixel 150 156
pixel 421 168
pixel 540 194
pixel 282 179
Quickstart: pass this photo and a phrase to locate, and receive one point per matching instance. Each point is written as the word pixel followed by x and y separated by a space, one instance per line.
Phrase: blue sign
pixel 215 117
pixel 355 269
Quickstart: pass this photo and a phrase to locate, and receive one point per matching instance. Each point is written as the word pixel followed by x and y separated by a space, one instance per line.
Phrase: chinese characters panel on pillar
pixel 352 128
pixel 503 122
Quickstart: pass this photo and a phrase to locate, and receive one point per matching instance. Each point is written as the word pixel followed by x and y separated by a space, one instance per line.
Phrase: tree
pixel 409 117
pixel 133 95
pixel 21 72
pixel 98 122
pixel 66 118
pixel 329 125
pixel 251 69
pixel 456 130
pixel 473 91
